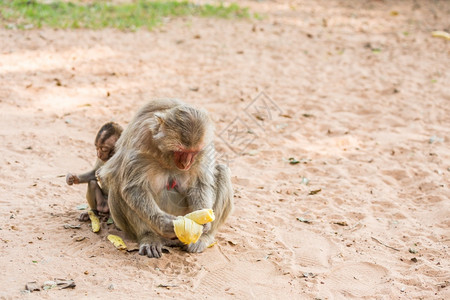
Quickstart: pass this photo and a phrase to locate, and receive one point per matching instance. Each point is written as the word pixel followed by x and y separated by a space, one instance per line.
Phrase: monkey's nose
pixel 187 161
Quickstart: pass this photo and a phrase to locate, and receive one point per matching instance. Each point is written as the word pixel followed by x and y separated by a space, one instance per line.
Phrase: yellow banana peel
pixel 201 216
pixel 117 242
pixel 441 34
pixel 187 230
pixel 95 222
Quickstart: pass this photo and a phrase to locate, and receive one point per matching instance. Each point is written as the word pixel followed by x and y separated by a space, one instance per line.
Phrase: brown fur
pixel 95 195
pixel 138 173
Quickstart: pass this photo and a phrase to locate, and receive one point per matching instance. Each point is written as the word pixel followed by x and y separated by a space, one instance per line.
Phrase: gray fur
pixel 143 163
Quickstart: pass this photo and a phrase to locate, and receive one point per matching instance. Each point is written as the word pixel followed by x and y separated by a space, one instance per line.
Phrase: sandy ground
pixel 358 92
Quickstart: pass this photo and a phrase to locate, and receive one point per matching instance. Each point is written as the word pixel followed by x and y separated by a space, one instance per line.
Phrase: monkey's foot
pixel 153 247
pixel 102 207
pixel 103 216
pixel 84 217
pixel 204 241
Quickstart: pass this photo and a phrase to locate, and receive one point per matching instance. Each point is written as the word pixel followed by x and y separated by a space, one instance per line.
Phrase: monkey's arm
pixel 84 177
pixel 137 193
pixel 143 204
pixel 200 194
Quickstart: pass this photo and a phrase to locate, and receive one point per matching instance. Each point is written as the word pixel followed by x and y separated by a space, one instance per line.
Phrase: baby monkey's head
pixel 106 139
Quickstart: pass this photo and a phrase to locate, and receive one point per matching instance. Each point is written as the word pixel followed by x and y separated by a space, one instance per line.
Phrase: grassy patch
pixel 26 14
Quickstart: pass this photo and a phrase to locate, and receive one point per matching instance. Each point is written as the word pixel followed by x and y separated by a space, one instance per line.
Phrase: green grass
pixel 101 14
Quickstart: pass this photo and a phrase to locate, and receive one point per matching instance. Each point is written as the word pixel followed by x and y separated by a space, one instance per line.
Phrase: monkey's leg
pixel 150 243
pixel 222 207
pixel 91 199
pixel 101 200
pixel 119 211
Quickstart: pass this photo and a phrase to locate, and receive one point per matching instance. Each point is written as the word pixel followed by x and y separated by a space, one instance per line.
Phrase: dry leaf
pixel 80 238
pixel 293 161
pixel 341 223
pixel 82 206
pixel 314 192
pixel 304 220
pixel 65 283
pixel 32 286
pixel 49 284
pixel 167 286
pixel 68 226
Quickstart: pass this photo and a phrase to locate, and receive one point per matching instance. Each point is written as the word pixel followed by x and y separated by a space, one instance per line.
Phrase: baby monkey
pixel 96 195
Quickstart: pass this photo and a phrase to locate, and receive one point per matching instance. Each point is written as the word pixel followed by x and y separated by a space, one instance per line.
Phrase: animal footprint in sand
pixel 357 279
pixel 311 252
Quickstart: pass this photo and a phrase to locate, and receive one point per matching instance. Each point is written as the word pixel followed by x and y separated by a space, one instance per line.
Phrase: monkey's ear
pixel 156 128
pixel 160 117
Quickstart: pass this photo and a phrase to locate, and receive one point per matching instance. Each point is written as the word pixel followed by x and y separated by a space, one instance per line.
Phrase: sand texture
pixel 356 92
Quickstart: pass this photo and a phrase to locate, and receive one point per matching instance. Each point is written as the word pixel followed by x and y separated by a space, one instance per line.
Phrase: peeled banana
pixel 189 228
pixel 117 242
pixel 95 222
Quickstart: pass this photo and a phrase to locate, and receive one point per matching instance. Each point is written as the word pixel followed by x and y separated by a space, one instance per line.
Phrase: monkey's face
pixel 182 134
pixel 184 159
pixel 105 150
pixel 182 147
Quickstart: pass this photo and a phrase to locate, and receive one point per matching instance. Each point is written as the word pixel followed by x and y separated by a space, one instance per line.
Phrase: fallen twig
pixel 378 241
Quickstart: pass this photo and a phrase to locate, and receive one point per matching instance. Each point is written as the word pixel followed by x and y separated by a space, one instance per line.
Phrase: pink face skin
pixel 184 158
pixel 106 150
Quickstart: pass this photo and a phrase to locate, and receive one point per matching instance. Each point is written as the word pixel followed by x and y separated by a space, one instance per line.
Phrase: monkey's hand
pixel 72 179
pixel 166 227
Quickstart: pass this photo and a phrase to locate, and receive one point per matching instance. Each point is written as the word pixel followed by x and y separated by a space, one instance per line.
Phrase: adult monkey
pixel 165 167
